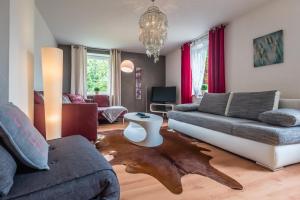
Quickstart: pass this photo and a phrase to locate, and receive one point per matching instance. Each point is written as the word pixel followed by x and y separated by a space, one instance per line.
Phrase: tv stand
pixel 161 108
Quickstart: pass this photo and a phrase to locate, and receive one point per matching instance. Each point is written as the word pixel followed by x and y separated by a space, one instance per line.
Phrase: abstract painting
pixel 268 49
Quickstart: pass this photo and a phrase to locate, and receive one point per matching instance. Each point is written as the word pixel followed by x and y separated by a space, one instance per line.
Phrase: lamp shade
pixel 52 67
pixel 127 66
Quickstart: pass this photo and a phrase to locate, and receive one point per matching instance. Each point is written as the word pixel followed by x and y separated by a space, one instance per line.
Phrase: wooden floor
pixel 259 183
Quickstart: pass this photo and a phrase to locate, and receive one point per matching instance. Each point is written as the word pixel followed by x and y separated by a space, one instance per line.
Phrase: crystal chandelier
pixel 153 31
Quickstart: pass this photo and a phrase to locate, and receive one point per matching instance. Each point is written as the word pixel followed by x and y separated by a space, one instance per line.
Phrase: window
pixel 98 73
pixel 199 58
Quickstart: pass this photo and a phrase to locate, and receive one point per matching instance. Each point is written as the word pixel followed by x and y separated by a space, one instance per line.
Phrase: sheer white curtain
pixel 78 69
pixel 199 51
pixel 115 87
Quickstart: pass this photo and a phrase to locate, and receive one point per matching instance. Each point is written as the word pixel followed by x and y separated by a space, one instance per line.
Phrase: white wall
pixel 4 50
pixel 21 54
pixel 43 38
pixel 240 73
pixel 28 32
pixel 173 71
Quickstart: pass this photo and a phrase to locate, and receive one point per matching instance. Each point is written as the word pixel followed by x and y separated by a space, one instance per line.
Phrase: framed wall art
pixel 269 49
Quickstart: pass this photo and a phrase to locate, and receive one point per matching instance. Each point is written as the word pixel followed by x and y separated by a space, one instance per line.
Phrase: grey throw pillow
pixel 214 103
pixel 66 99
pixel 8 169
pixel 187 107
pixel 20 136
pixel 282 117
pixel 249 105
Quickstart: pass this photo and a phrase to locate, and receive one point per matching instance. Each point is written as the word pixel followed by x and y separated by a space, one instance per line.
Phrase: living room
pixel 144 99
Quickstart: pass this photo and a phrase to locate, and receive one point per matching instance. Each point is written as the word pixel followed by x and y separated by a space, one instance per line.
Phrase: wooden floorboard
pixel 259 183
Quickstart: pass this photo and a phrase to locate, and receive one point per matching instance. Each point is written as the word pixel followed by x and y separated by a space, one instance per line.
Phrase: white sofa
pixel 272 157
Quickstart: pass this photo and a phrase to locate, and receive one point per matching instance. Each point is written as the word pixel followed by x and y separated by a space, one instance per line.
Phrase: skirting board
pixel 272 157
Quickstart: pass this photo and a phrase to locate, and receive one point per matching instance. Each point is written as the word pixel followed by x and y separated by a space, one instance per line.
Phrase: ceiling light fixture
pixel 127 66
pixel 153 31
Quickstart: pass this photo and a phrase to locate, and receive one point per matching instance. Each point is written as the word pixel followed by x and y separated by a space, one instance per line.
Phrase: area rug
pixel 168 163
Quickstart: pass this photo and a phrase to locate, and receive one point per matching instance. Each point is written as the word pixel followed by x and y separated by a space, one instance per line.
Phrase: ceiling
pixel 114 23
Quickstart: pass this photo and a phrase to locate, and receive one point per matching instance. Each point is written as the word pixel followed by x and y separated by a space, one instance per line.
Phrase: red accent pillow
pixel 76 98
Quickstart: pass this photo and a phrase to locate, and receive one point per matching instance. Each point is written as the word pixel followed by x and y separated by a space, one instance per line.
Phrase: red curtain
pixel 186 74
pixel 216 61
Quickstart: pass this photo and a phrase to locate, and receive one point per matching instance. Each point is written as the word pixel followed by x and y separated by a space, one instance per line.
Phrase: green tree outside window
pixel 98 71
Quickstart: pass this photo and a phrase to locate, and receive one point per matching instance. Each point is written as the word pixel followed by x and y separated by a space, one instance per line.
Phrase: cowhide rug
pixel 176 157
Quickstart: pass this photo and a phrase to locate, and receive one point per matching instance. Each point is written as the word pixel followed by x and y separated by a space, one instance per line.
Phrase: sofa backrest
pixel 289 103
pixel 101 100
pixel 39 98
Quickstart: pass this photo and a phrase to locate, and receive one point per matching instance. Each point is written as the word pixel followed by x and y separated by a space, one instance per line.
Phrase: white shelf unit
pixel 161 108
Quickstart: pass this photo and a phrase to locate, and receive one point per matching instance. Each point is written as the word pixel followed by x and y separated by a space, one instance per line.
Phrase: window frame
pixel 108 57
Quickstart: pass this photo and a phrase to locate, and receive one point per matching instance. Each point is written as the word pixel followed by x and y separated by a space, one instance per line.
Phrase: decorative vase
pixel 96 93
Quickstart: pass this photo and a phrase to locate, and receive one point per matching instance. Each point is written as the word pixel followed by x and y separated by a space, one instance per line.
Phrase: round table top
pixel 132 116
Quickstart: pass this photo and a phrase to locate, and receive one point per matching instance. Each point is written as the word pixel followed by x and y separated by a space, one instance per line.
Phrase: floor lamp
pixel 52 67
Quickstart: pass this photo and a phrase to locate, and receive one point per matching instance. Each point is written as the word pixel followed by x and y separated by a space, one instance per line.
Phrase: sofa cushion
pixel 267 134
pixel 281 117
pixel 39 98
pixel 243 128
pixel 187 107
pixel 250 105
pixel 77 171
pixel 20 136
pixel 206 120
pixel 76 98
pixel 214 103
pixel 8 169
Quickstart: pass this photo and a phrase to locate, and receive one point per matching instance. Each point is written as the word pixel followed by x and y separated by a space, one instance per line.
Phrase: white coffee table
pixel 144 131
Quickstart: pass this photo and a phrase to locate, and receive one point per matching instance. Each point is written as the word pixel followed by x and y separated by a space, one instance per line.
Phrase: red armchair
pixel 103 103
pixel 77 119
pixel 101 100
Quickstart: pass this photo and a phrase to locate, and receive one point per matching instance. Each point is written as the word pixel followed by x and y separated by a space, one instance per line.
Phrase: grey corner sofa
pixel 270 146
pixel 77 172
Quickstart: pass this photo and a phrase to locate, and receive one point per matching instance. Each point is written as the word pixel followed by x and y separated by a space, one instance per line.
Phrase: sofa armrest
pixel 81 119
pixel 187 107
pixel 77 119
pixel 39 118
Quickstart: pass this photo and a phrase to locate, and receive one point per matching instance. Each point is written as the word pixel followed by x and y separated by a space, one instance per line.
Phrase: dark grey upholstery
pixel 282 117
pixel 206 120
pixel 268 134
pixel 77 172
pixel 187 107
pixel 8 169
pixel 243 128
pixel 249 105
pixel 214 103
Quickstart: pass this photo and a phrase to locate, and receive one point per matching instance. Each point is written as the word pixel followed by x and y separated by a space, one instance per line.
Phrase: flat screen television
pixel 163 95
